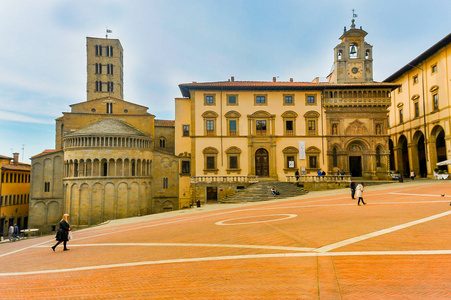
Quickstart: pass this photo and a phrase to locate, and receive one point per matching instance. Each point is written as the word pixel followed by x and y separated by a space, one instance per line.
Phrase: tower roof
pixel 353 32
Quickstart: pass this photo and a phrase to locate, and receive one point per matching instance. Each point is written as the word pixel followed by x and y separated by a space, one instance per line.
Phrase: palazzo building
pixel 232 131
pixel 14 193
pixel 111 160
pixel 420 115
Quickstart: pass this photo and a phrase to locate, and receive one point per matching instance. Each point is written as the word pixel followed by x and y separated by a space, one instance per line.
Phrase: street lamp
pixel 424 111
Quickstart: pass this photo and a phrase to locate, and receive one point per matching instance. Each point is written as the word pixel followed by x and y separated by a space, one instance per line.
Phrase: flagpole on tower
pixel 108 31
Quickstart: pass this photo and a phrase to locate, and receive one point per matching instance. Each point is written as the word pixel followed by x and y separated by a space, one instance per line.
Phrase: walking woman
pixel 62 235
pixel 359 190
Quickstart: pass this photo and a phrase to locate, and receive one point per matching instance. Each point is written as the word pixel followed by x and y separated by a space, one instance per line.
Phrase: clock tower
pixel 353 62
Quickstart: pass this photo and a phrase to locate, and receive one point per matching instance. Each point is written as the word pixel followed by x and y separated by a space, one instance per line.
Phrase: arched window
pixel 353 49
pixel 162 142
pixel 335 157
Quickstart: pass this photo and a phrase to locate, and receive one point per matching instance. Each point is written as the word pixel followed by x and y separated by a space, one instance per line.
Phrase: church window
pixel 110 69
pixel 98 86
pixel 162 143
pixel 165 182
pixel 98 50
pixel 109 108
pixel 47 186
pixel 110 86
pixel 109 51
pixel 98 68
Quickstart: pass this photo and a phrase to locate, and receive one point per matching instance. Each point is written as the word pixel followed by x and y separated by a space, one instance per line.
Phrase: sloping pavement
pixel 316 246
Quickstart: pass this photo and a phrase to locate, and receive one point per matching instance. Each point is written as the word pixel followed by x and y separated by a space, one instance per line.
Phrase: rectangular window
pixel 232 127
pixel 110 86
pixel 417 109
pixel 288 99
pixel 233 162
pixel 231 99
pixel 415 79
pixel 110 69
pixel 46 186
pixel 311 99
pixel 311 127
pixel 186 167
pixel 165 182
pixel 289 128
pixel 290 162
pixel 210 127
pixel 435 101
pixel 109 108
pixel 185 130
pixel 209 99
pixel 211 163
pixel 260 99
pixel 434 69
pixel 312 162
pixel 401 118
pixel 261 127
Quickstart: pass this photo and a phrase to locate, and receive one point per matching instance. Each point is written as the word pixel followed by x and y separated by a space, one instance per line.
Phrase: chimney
pixel 274 79
pixel 232 78
pixel 291 79
pixel 16 158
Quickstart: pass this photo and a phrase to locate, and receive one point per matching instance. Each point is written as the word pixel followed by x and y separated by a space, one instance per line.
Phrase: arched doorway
pixel 404 167
pixel 392 155
pixel 422 156
pixel 262 163
pixel 355 151
pixel 441 148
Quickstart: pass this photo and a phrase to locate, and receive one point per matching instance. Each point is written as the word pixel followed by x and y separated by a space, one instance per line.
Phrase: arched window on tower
pixel 339 54
pixel 367 54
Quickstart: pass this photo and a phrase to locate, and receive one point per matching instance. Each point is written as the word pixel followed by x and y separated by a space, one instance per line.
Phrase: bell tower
pixel 353 61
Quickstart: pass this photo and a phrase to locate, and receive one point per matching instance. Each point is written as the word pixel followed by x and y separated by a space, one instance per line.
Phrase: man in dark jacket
pixel 352 186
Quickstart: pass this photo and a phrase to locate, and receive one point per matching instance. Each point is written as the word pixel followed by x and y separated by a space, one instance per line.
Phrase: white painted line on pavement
pixel 281 217
pixel 380 232
pixel 221 258
pixel 303 249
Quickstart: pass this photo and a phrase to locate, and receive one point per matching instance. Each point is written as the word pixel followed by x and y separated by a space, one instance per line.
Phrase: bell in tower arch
pixel 353 50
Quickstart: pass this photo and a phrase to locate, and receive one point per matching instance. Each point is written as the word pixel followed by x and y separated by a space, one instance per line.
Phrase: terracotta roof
pixel 165 123
pixel 5 157
pixel 18 167
pixel 45 152
pixel 423 56
pixel 277 85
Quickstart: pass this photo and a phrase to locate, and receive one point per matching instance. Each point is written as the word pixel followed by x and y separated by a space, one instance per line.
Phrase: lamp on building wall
pixel 424 111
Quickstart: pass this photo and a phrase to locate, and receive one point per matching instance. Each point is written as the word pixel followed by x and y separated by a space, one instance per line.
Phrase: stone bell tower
pixel 353 62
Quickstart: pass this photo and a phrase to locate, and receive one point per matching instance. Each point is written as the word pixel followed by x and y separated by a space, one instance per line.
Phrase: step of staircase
pixel 261 191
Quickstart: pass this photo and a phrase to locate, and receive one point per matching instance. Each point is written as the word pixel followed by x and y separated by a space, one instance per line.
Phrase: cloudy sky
pixel 168 42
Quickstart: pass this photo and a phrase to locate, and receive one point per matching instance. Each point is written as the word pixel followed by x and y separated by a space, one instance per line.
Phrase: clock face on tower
pixel 355 70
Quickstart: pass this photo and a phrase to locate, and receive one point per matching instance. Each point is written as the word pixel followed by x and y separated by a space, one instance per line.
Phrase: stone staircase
pixel 261 191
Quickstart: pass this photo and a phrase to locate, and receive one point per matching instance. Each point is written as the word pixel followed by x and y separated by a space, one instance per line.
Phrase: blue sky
pixel 168 42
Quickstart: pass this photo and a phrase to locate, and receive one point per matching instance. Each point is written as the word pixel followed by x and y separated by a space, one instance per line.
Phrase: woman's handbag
pixel 69 236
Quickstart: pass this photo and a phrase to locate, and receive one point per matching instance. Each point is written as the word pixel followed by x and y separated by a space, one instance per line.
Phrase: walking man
pixel 352 186
pixel 360 193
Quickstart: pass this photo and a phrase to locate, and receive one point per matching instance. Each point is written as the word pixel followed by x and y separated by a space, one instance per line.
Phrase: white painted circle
pixel 281 217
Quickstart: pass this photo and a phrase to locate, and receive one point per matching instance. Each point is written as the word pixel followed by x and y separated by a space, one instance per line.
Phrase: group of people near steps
pixel 357 191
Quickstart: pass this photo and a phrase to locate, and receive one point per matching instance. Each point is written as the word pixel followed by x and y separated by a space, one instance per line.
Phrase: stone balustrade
pixel 225 179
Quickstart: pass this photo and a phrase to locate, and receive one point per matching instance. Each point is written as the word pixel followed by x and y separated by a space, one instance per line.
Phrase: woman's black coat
pixel 63 232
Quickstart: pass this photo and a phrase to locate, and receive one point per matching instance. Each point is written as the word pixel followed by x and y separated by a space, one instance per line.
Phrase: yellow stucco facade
pixel 14 193
pixel 420 115
pixel 236 130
